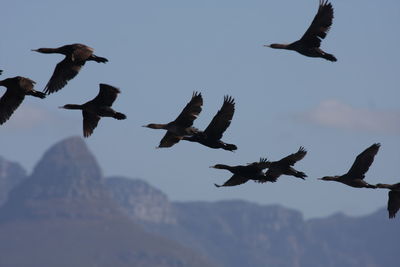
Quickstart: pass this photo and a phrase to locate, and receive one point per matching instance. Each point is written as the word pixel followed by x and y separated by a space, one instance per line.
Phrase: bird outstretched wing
pixel 293 158
pixel 9 102
pixel 190 111
pixel 393 203
pixel 90 121
pixel 64 71
pixel 263 163
pixel 320 25
pixel 107 95
pixel 221 120
pixel 363 162
pixel 234 180
pixel 169 139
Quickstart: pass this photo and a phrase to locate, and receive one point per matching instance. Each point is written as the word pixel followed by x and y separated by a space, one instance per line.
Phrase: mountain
pixel 62 215
pixel 11 174
pixel 238 233
pixel 141 201
pixel 66 214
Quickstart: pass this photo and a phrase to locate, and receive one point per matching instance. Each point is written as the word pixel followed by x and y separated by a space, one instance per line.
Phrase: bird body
pixel 309 44
pixel 355 176
pixel 393 204
pixel 244 173
pixel 283 166
pixel 100 106
pixel 76 56
pixel 17 88
pixel 182 125
pixel 211 136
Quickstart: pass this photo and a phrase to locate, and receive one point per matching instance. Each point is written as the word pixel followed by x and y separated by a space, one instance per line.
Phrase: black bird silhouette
pixel 243 173
pixel 309 44
pixel 76 56
pixel 17 88
pixel 283 166
pixel 393 205
pixel 355 176
pixel 98 107
pixel 182 125
pixel 1 72
pixel 211 136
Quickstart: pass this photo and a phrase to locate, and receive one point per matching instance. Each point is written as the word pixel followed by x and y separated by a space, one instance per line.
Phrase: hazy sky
pixel 161 51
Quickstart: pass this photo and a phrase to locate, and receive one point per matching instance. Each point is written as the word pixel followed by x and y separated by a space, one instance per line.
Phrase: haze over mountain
pixel 63 216
pixel 11 174
pixel 66 214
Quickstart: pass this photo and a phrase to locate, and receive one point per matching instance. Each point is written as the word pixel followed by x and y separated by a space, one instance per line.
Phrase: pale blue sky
pixel 161 51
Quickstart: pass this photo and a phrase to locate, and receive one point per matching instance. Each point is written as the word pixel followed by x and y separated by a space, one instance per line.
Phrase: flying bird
pixel 76 56
pixel 309 44
pixel 182 125
pixel 284 166
pixel 98 107
pixel 243 173
pixel 17 88
pixel 1 72
pixel 355 176
pixel 393 205
pixel 211 136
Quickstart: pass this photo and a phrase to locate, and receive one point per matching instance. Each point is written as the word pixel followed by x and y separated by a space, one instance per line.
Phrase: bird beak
pixel 212 166
pixel 34 50
pixel 144 125
pixel 266 45
pixel 61 107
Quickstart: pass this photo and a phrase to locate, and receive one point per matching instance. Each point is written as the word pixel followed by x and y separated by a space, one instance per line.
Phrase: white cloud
pixel 335 114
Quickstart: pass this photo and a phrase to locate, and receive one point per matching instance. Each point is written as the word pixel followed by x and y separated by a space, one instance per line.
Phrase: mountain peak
pixel 68 158
pixel 66 182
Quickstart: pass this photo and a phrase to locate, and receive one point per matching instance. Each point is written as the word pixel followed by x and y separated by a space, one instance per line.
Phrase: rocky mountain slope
pixel 63 216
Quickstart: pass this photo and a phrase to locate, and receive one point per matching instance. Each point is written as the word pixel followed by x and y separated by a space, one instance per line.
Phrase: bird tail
pixel 120 116
pixel 301 175
pixel 230 147
pixel 98 59
pixel 38 94
pixel 329 57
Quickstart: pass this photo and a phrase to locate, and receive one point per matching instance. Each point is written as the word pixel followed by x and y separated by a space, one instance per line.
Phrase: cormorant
pixel 1 72
pixel 211 136
pixel 283 166
pixel 76 56
pixel 17 88
pixel 241 174
pixel 393 205
pixel 309 44
pixel 182 125
pixel 355 176
pixel 98 107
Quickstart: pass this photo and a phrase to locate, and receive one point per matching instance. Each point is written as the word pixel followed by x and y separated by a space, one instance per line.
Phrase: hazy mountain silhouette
pixel 66 214
pixel 63 216
pixel 238 233
pixel 11 174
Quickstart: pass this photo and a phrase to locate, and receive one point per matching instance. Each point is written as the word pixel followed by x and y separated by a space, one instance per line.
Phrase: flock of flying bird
pixel 76 55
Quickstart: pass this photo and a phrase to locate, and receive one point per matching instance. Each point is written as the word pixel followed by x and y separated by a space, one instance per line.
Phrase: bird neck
pixel 222 167
pixel 48 50
pixel 72 106
pixel 279 46
pixel 157 126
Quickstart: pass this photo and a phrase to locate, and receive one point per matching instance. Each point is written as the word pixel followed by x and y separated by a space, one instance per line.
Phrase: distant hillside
pixel 66 214
pixel 63 216
pixel 11 174
pixel 239 233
